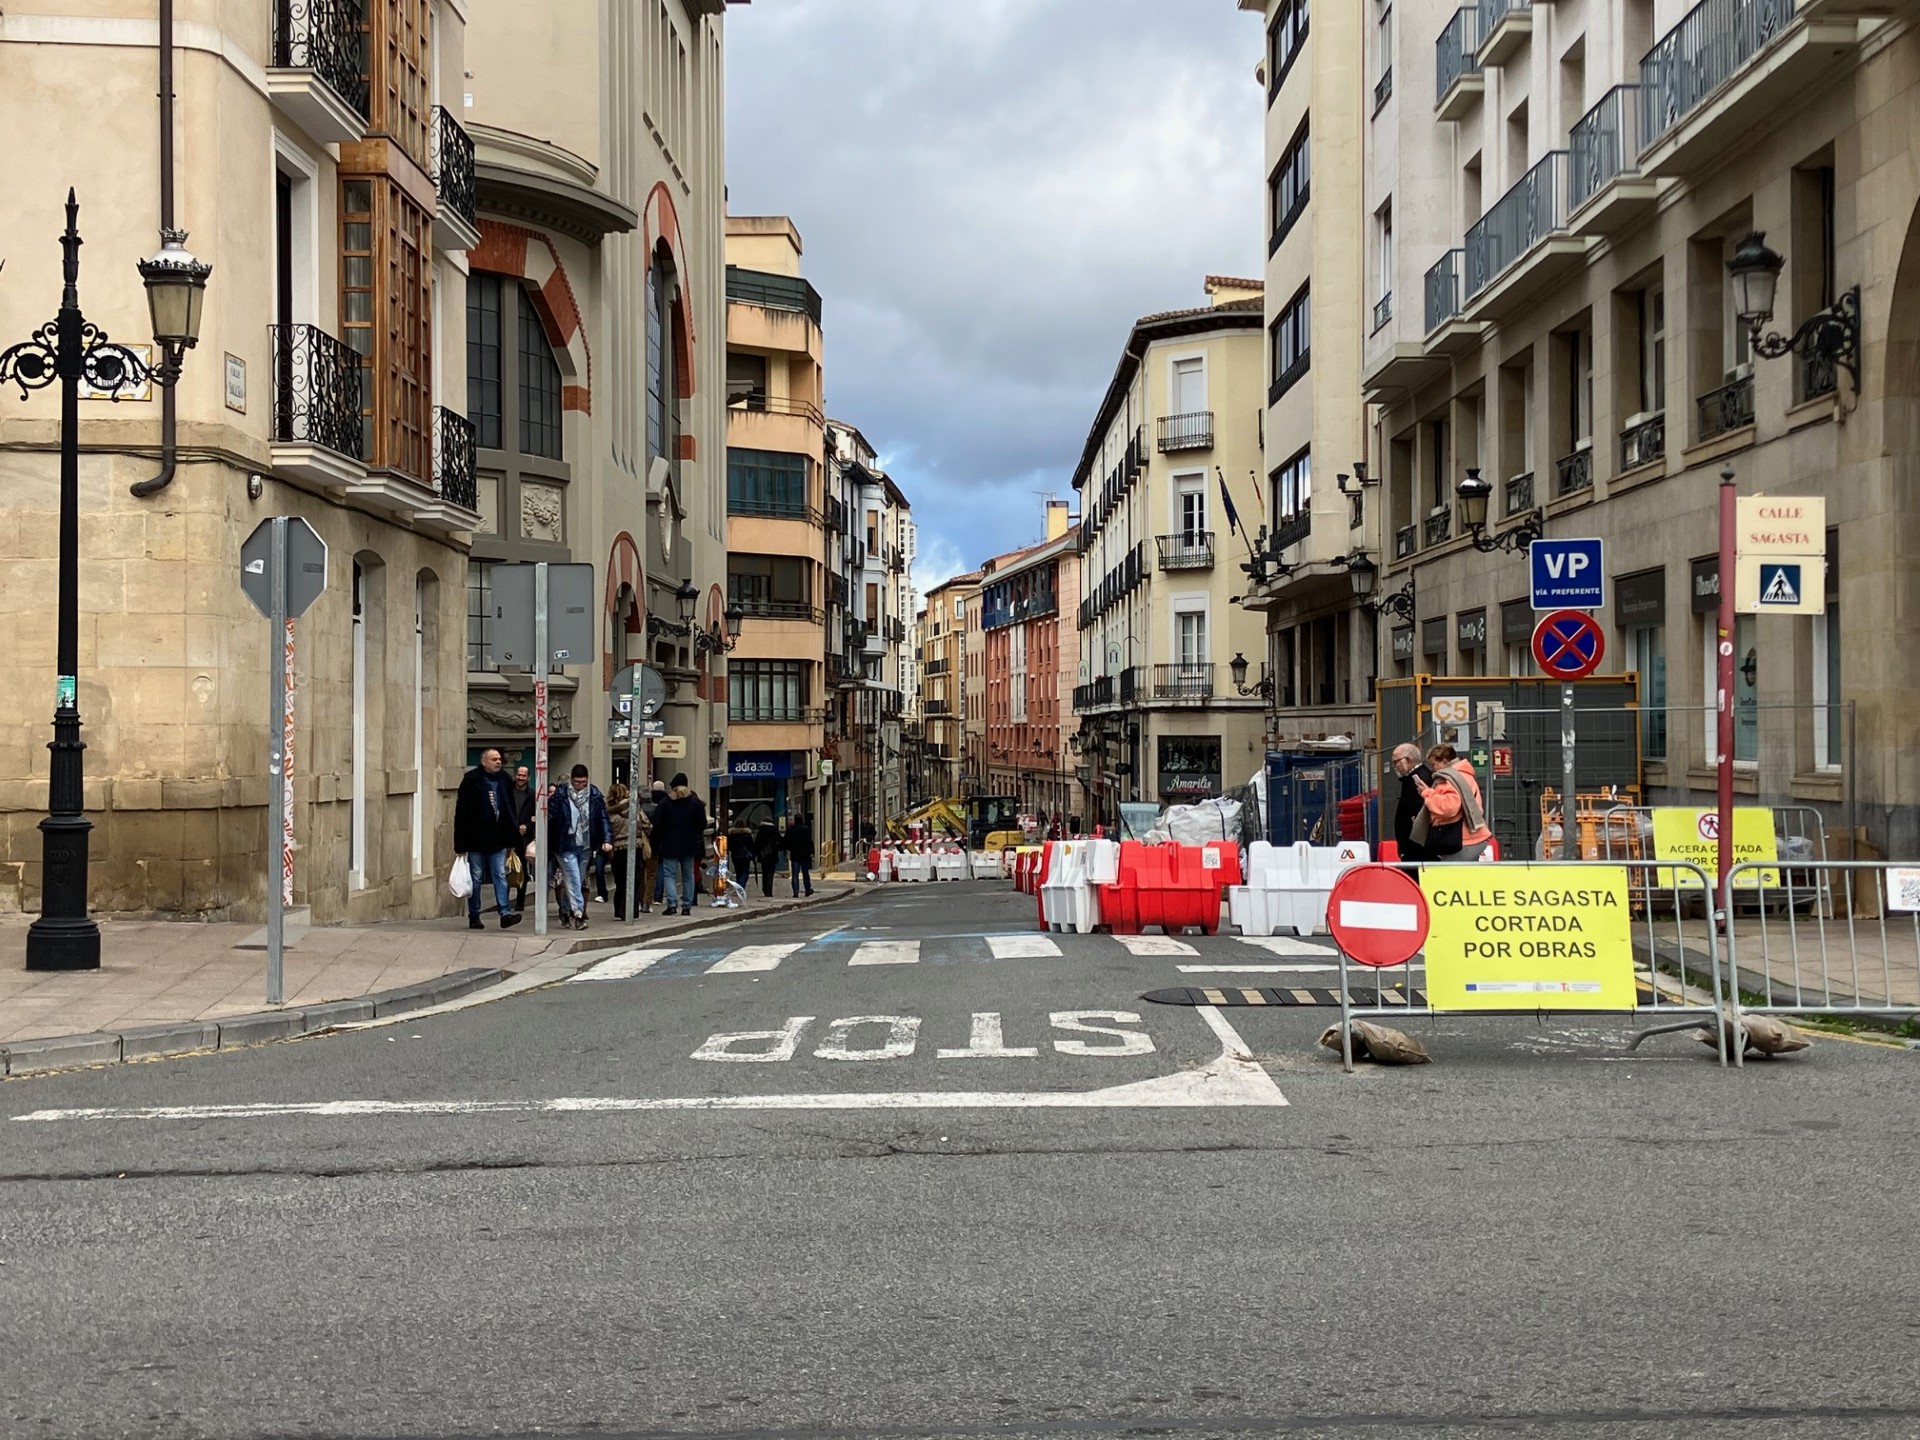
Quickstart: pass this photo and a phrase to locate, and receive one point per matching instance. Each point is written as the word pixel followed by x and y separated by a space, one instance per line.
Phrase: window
pixel 1383 225
pixel 1288 188
pixel 386 319
pixel 1383 43
pixel 1291 344
pixel 356 292
pixel 1647 653
pixel 1190 637
pixel 1829 725
pixel 1189 386
pixel 767 691
pixel 1440 494
pixel 767 482
pixel 1284 39
pixel 1017 670
pixel 659 353
pixel 773 585
pixel 1653 350
pixel 1190 507
pixel 483 359
pixel 1291 489
pixel 539 385
pixel 480 617
pixel 1579 386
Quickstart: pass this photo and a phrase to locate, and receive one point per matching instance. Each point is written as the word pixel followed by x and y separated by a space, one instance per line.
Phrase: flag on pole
pixel 1226 499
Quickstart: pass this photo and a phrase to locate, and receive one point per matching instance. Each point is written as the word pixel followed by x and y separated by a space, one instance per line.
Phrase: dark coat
pixel 766 843
pixel 1409 805
pixel 560 821
pixel 524 802
pixel 680 826
pixel 483 813
pixel 798 842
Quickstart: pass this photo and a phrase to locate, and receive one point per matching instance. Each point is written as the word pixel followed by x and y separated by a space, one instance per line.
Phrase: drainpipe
pixel 169 432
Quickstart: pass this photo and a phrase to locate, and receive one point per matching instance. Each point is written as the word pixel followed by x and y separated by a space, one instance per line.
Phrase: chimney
pixel 1058 518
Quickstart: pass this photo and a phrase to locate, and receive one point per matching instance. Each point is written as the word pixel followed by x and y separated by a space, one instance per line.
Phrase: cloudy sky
pixel 990 191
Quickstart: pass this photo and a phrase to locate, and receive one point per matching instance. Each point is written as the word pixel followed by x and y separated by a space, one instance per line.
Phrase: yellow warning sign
pixel 1693 836
pixel 1528 937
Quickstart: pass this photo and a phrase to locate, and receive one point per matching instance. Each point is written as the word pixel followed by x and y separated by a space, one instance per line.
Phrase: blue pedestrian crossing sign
pixel 1568 574
pixel 1779 585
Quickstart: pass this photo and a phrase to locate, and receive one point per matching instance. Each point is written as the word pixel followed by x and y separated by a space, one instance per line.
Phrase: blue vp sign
pixel 1568 574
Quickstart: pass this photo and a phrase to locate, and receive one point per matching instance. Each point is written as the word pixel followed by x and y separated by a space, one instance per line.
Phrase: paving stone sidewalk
pixel 161 972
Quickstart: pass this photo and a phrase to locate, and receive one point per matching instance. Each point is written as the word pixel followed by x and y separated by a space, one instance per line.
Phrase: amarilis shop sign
pixel 1189 767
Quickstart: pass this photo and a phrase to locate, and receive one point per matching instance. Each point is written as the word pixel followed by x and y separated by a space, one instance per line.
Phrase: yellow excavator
pixel 987 822
pixel 940 817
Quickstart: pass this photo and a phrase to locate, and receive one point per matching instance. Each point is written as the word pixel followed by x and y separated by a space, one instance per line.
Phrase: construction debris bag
pixel 1765 1036
pixel 1381 1044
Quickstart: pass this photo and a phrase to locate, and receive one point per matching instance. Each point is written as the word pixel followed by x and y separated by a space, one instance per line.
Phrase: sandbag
pixel 1764 1034
pixel 1381 1044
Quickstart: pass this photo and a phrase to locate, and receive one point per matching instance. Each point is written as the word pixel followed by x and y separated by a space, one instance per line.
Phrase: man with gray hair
pixel 1409 765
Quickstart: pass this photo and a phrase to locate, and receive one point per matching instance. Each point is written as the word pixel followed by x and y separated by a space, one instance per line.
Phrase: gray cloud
pixel 990 192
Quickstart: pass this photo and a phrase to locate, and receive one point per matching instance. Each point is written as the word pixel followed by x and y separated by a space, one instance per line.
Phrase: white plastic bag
pixel 460 878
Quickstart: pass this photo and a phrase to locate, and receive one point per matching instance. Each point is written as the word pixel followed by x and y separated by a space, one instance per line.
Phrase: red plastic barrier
pixel 1170 886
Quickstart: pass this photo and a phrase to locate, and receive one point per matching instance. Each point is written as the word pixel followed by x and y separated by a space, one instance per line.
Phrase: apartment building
pixel 318 157
pixel 1178 430
pixel 871 542
pixel 943 682
pixel 1320 642
pixel 777 523
pixel 1577 226
pixel 1032 660
pixel 596 362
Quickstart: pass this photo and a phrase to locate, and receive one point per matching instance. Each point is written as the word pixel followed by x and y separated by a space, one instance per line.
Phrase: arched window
pixel 661 389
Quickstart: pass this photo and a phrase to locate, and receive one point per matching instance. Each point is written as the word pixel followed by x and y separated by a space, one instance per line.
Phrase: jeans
pixel 483 866
pixel 597 863
pixel 573 864
pixel 676 871
pixel 802 875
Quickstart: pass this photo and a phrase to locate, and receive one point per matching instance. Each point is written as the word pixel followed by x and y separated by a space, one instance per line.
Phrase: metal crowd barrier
pixel 1803 959
pixel 1676 956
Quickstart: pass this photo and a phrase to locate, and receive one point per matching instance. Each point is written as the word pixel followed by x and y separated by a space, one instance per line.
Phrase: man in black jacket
pixel 680 839
pixel 1413 773
pixel 799 847
pixel 523 803
pixel 484 827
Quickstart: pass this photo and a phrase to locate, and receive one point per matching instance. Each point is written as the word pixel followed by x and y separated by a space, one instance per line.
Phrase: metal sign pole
pixel 286 768
pixel 634 726
pixel 1570 847
pixel 1723 680
pixel 276 760
pixel 542 663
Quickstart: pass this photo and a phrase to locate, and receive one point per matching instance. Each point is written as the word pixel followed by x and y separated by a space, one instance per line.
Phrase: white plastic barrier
pixel 1287 887
pixel 914 866
pixel 986 865
pixel 950 865
pixel 1070 899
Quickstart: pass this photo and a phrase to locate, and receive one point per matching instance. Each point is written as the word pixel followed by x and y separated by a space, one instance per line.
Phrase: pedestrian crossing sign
pixel 1781 585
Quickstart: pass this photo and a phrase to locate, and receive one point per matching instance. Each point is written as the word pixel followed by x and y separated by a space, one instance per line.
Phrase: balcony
pixel 317 434
pixel 456 221
pixel 453 460
pixel 1505 26
pixel 1383 90
pixel 1382 312
pixel 1574 472
pixel 772 507
pixel 1192 431
pixel 1291 530
pixel 1130 685
pixel 896 632
pixel 1405 542
pixel 759 608
pixel 1726 409
pixel 775 714
pixel 1183 682
pixel 1728 68
pixel 1438 527
pixel 1190 551
pixel 773 292
pixel 1458 82
pixel 1521 247
pixel 1605 190
pixel 1290 376
pixel 1448 333
pixel 758 402
pixel 317 73
pixel 1094 695
pixel 1643 441
pixel 1517 496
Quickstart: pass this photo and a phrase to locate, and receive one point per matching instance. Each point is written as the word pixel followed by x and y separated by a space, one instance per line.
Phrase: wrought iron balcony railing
pixel 1192 431
pixel 1183 682
pixel 1518 494
pixel 454 459
pixel 324 36
pixel 1443 289
pixel 1533 209
pixel 1291 530
pixel 1457 51
pixel 1383 89
pixel 316 391
pixel 1728 408
pixel 1190 551
pixel 1438 527
pixel 1130 685
pixel 1604 145
pixel 1713 42
pixel 1405 541
pixel 1575 472
pixel 453 174
pixel 1644 443
pixel 1382 311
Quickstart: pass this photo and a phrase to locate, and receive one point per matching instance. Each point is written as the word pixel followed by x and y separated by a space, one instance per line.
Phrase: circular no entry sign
pixel 1378 915
pixel 1569 644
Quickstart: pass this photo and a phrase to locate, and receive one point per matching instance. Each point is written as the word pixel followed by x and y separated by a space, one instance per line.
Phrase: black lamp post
pixel 69 349
pixel 1237 667
pixel 1474 493
pixel 686 597
pixel 1365 576
pixel 1832 336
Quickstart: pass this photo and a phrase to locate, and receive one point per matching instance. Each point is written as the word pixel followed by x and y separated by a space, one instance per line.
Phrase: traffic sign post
pixel 643 690
pixel 1569 646
pixel 283 570
pixel 1379 918
pixel 1568 574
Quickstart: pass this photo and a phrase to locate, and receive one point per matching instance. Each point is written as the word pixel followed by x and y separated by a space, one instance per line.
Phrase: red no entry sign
pixel 1378 915
pixel 1569 644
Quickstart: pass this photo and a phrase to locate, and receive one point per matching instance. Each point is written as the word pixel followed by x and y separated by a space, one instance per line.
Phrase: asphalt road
pixel 954 1190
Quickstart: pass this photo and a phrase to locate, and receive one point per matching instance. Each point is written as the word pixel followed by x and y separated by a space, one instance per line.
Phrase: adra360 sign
pixel 1528 937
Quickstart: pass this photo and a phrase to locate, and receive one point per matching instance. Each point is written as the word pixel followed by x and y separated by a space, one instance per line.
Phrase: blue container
pixel 1304 791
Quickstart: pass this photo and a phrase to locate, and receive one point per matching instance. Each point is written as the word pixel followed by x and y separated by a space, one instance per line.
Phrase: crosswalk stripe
pixel 887 952
pixel 624 966
pixel 752 957
pixel 1021 947
pixel 1255 969
pixel 1283 945
pixel 1155 945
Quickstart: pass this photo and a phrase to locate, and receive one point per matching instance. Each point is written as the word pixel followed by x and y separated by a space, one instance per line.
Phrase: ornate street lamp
pixel 1831 336
pixel 1237 667
pixel 69 349
pixel 1365 577
pixel 1474 493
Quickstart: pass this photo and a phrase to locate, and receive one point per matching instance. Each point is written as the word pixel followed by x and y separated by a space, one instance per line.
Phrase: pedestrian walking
pixel 1413 773
pixel 524 803
pixel 741 852
pixel 655 877
pixel 680 835
pixel 1452 826
pixel 798 843
pixel 620 818
pixel 766 845
pixel 483 831
pixel 577 829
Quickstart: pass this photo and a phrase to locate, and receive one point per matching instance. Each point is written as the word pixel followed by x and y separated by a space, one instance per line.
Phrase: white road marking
pixel 1155 945
pixel 785 1041
pixel 1254 969
pixel 751 957
pixel 1021 947
pixel 988 1042
pixel 887 952
pixel 1232 1079
pixel 1374 915
pixel 624 966
pixel 1284 945
pixel 1132 1042
pixel 903 1033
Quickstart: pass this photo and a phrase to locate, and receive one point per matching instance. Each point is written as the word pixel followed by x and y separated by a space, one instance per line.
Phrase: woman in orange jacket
pixel 1453 807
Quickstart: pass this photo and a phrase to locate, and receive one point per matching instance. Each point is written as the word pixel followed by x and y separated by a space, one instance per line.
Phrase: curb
pixel 45 1055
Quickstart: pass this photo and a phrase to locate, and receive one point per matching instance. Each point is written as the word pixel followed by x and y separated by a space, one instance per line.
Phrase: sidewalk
pixel 182 973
